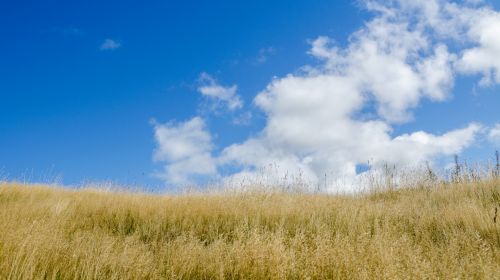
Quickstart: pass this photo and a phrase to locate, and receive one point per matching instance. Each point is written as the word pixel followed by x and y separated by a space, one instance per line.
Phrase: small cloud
pixel 186 149
pixel 109 45
pixel 264 54
pixel 220 94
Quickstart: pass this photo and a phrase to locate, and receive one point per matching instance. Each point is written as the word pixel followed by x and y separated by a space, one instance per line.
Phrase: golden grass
pixel 446 231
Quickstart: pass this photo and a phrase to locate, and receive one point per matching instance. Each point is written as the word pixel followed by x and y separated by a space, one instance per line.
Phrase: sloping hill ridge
pixel 442 231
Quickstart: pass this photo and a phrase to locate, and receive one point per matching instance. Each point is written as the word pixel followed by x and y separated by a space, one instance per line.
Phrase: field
pixel 445 231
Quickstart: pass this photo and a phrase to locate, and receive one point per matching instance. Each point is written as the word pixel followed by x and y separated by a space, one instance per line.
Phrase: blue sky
pixel 85 85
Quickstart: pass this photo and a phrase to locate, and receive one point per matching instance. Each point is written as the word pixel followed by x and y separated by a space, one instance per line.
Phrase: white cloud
pixel 311 119
pixel 484 58
pixel 475 25
pixel 341 113
pixel 227 95
pixel 186 148
pixel 494 134
pixel 310 130
pixel 109 45
pixel 392 62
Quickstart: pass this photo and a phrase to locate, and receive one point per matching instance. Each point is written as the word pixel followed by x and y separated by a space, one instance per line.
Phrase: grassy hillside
pixel 445 231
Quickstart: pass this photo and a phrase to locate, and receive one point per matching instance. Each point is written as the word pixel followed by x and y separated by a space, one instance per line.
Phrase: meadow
pixel 443 230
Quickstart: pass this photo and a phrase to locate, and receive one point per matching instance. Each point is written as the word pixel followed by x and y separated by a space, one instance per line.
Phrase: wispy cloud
pixel 243 119
pixel 264 54
pixel 226 95
pixel 109 45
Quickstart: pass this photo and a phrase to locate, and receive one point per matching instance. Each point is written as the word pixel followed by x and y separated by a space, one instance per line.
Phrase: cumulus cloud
pixel 186 148
pixel 341 112
pixel 310 129
pixel 218 93
pixel 484 57
pixel 470 23
pixel 109 45
pixel 393 62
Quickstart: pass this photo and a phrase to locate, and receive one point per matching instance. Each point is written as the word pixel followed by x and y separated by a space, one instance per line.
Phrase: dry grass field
pixel 443 231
